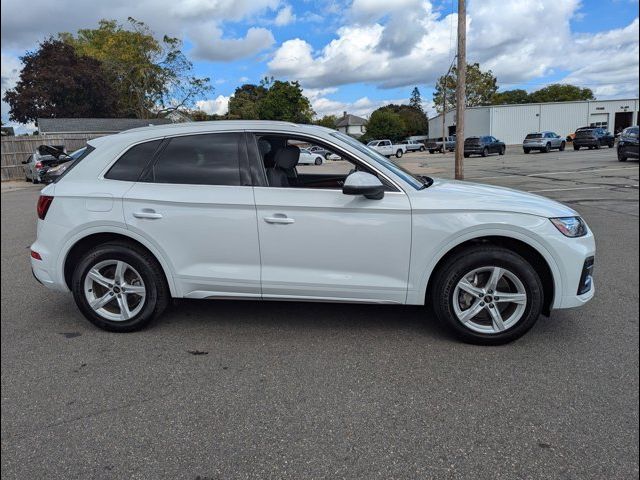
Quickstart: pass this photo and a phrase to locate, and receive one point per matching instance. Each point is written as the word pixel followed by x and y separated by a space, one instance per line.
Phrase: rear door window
pixel 209 159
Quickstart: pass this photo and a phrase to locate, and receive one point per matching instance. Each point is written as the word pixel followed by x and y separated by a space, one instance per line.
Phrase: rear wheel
pixel 399 154
pixel 562 146
pixel 485 152
pixel 576 147
pixel 467 155
pixel 432 152
pixel 621 157
pixel 119 287
pixel 487 295
pixel 422 149
pixel 502 150
pixel 34 180
pixel 598 145
pixel 318 161
pixel 526 150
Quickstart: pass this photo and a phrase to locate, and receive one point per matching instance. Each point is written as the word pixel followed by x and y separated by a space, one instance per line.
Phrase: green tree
pixel 384 123
pixel 415 121
pixel 57 82
pixel 328 121
pixel 561 93
pixel 511 97
pixel 481 87
pixel 151 77
pixel 285 101
pixel 415 100
pixel 245 100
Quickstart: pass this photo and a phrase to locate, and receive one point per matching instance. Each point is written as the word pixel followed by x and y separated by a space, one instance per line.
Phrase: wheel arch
pixel 530 253
pixel 80 245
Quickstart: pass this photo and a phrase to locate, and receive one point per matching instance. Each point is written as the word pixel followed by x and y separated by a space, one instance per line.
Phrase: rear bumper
pixel 534 145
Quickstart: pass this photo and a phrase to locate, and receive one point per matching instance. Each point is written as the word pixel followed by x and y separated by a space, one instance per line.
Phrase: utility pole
pixel 461 88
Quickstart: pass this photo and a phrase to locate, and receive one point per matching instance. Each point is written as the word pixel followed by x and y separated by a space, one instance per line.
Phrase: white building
pixel 352 125
pixel 511 123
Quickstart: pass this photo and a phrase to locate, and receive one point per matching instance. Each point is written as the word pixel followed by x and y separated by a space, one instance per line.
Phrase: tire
pixel 502 151
pixel 526 151
pixel 34 180
pixel 621 158
pixel 326 156
pixel 518 318
pixel 399 154
pixel 318 161
pixel 611 145
pixel 562 147
pixel 422 149
pixel 547 148
pixel 598 145
pixel 576 147
pixel 466 155
pixel 142 266
pixel 485 152
pixel 432 152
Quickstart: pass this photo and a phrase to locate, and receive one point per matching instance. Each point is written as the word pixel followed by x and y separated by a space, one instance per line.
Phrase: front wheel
pixel 526 151
pixel 485 152
pixel 502 150
pixel 422 149
pixel 487 295
pixel 621 157
pixel 547 148
pixel 119 287
pixel 318 161
pixel 562 146
pixel 467 155
pixel 399 154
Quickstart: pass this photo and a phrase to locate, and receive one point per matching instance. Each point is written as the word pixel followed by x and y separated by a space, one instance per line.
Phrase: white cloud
pixel 406 42
pixel 23 25
pixel 285 16
pixel 217 106
pixel 11 67
pixel 211 46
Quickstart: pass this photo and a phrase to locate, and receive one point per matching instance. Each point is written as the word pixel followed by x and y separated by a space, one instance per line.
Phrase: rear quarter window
pixel 132 163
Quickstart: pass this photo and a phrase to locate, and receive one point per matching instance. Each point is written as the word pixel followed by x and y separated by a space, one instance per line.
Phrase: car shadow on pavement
pixel 302 315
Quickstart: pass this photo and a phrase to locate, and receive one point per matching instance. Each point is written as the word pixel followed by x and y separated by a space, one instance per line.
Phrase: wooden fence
pixel 16 149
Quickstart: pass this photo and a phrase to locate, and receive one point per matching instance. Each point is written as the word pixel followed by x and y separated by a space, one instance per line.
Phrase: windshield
pixel 413 180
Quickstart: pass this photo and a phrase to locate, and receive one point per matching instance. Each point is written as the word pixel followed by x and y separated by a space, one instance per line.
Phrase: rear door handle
pixel 279 218
pixel 147 213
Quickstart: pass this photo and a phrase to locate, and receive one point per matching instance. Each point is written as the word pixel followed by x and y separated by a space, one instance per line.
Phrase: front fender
pixel 533 237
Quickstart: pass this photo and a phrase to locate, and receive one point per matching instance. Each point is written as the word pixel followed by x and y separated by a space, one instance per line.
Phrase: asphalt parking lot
pixel 222 389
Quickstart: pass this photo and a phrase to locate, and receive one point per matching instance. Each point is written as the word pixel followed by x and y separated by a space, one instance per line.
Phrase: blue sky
pixel 356 55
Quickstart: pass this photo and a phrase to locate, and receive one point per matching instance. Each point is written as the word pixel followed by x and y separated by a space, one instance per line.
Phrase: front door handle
pixel 147 213
pixel 279 218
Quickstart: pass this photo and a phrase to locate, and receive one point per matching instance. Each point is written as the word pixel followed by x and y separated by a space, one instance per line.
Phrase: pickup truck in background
pixel 435 144
pixel 387 148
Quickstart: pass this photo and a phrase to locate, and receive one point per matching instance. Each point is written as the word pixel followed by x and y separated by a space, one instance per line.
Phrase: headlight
pixel 570 226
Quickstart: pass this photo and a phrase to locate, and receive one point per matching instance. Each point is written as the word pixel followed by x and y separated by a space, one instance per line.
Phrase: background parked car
pixel 319 151
pixel 572 136
pixel 483 146
pixel 45 157
pixel 628 144
pixel 387 147
pixel 435 144
pixel 543 141
pixel 413 145
pixel 54 172
pixel 307 157
pixel 593 138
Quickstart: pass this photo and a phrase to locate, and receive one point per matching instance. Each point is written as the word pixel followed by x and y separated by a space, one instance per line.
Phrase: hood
pixel 465 196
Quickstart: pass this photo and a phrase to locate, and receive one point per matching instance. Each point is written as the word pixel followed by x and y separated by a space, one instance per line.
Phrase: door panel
pixel 322 244
pixel 206 232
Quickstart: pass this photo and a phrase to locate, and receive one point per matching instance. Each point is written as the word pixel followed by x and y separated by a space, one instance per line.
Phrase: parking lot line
pixel 543 174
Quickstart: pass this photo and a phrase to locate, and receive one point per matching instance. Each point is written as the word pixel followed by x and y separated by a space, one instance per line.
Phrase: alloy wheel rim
pixel 115 290
pixel 489 300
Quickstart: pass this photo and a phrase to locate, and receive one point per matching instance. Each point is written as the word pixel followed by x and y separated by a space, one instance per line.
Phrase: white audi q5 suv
pixel 223 210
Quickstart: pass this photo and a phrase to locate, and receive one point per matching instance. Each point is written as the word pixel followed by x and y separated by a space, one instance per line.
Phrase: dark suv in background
pixel 628 144
pixel 483 146
pixel 593 138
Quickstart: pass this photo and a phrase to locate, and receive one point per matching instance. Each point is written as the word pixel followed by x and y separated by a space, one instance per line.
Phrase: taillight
pixel 38 164
pixel 44 202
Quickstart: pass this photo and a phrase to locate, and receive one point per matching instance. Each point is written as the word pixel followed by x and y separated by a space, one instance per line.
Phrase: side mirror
pixel 363 183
